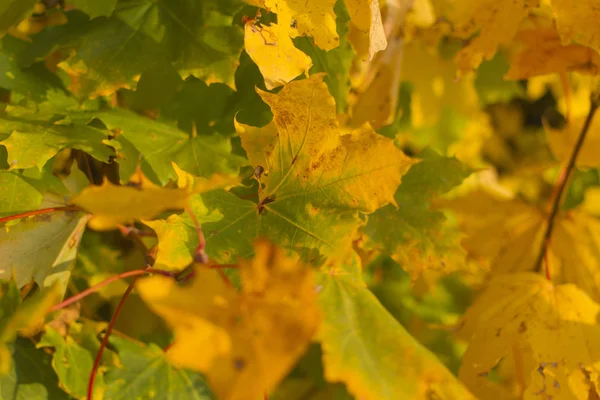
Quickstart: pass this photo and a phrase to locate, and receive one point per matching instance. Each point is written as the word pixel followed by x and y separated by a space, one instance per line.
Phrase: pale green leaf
pixel 146 373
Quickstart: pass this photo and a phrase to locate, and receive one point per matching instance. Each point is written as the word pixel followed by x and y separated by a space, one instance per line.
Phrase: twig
pixel 562 183
pixel 110 280
pixel 38 212
pixel 109 328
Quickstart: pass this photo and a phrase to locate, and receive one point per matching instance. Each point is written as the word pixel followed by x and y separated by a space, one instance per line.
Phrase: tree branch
pixel 564 179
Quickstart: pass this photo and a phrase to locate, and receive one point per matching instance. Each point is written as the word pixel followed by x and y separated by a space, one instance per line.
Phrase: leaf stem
pixel 38 212
pixel 104 342
pixel 563 181
pixel 110 280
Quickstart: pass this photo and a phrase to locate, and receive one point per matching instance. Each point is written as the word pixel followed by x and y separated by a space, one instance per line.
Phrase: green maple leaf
pixel 42 248
pixel 32 138
pixel 24 190
pixel 146 373
pixel 414 234
pixel 363 345
pixel 31 375
pixel 156 145
pixel 139 34
pixel 71 361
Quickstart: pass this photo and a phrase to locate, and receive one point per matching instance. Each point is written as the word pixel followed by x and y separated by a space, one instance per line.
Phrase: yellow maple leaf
pixel 541 52
pixel 366 17
pixel 378 98
pixel 508 234
pixel 314 18
pixel 112 205
pixel 552 331
pixel 577 21
pixel 303 151
pixel 493 22
pixel 244 342
pixel 272 50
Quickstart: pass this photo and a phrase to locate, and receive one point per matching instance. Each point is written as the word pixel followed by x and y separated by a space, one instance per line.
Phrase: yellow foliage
pixel 577 21
pixel 493 22
pixel 541 52
pixel 361 169
pixel 272 50
pixel 550 330
pixel 244 342
pixel 314 18
pixel 112 205
pixel 508 233
pixel 366 17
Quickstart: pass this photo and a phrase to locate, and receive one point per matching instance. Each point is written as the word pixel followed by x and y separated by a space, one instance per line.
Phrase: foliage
pixel 321 199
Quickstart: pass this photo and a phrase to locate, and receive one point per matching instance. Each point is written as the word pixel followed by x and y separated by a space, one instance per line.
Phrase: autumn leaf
pixel 50 256
pixel 541 52
pixel 244 342
pixel 358 333
pixel 526 314
pixel 272 50
pixel 575 22
pixel 112 205
pixel 419 241
pixel 492 23
pixel 570 257
pixel 313 18
pixel 366 17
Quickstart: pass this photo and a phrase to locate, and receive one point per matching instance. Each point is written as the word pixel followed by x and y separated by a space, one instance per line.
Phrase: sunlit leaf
pixel 244 342
pixel 358 333
pixel 528 315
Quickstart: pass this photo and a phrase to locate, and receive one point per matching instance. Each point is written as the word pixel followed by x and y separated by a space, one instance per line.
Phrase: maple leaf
pixel 526 313
pixel 244 342
pixel 303 152
pixel 31 375
pixel 576 22
pixel 272 50
pixel 366 17
pixel 140 34
pixel 542 52
pixel 155 145
pixel 24 317
pixel 362 342
pixel 50 256
pixel 313 183
pixel 418 240
pixel 314 18
pixel 517 230
pixel 492 22
pixel 34 138
pixel 24 190
pixel 146 371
